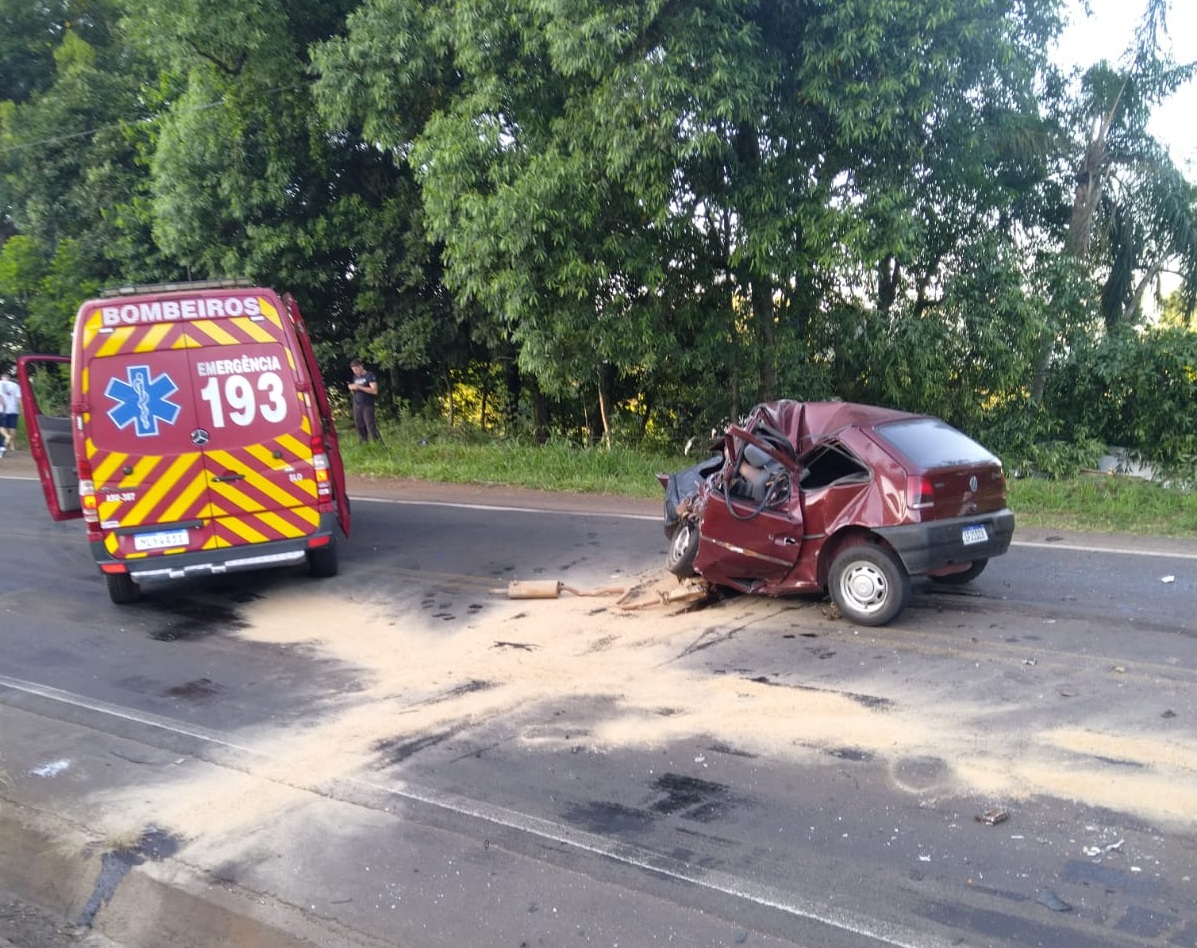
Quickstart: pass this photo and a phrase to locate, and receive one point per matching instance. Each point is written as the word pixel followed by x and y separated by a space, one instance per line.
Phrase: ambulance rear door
pixel 45 382
pixel 256 423
pixel 332 447
pixel 140 428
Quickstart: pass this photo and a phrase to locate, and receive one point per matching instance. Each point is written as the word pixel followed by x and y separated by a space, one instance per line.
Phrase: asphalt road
pixel 431 764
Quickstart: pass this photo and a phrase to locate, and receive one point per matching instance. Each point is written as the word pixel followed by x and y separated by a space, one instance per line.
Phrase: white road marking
pixel 1083 548
pixel 1028 544
pixel 726 883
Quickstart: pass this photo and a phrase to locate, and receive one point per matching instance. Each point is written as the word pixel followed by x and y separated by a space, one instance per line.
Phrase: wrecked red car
pixel 850 499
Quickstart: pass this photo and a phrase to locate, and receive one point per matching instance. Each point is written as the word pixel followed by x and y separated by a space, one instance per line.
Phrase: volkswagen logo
pixel 200 437
pixel 972 483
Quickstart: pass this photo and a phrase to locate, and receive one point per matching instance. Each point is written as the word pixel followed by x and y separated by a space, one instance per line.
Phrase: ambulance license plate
pixel 974 534
pixel 160 541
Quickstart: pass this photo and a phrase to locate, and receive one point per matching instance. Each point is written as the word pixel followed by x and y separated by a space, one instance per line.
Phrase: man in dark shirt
pixel 365 390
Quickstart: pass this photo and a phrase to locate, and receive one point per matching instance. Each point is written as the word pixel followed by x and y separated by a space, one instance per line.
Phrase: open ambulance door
pixel 46 407
pixel 331 446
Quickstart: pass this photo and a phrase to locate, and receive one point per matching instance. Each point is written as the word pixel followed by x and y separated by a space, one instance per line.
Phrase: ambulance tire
pixel 324 561
pixel 121 588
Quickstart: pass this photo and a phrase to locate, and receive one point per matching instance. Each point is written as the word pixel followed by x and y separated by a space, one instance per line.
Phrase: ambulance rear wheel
pixel 323 561
pixel 121 588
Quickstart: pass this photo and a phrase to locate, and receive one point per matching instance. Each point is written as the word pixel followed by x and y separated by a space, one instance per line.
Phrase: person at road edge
pixel 365 390
pixel 10 407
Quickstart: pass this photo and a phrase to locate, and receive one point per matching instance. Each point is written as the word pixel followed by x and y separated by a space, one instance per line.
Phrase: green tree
pixel 68 181
pixel 1133 213
pixel 248 181
pixel 621 183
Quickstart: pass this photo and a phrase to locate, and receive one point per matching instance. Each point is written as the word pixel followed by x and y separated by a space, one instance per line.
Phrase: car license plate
pixel 974 534
pixel 160 541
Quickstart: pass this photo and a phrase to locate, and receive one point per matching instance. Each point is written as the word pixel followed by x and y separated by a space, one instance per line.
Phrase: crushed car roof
pixel 803 422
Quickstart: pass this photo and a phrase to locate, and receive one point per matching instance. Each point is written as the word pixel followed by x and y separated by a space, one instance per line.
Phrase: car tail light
pixel 320 466
pixel 920 493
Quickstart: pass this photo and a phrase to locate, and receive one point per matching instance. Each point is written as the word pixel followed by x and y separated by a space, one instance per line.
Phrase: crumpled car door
pixel 751 530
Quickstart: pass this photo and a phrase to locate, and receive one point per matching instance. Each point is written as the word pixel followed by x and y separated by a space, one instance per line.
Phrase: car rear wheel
pixel 324 561
pixel 868 583
pixel 683 548
pixel 121 588
pixel 974 570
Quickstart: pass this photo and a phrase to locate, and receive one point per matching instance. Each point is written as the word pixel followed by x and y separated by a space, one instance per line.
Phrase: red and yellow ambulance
pixel 198 437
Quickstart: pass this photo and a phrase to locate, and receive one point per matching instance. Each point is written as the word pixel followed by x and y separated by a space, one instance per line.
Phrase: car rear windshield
pixel 931 443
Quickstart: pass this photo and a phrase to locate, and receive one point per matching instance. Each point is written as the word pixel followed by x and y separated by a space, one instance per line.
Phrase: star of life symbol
pixel 142 401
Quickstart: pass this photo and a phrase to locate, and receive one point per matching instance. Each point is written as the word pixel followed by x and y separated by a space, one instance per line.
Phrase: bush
pixel 1137 389
pixel 1031 442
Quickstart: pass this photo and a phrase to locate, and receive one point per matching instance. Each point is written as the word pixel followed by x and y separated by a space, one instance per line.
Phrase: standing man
pixel 365 390
pixel 10 407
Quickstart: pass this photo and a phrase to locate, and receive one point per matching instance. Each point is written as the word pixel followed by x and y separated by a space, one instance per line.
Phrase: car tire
pixel 683 548
pixel 121 588
pixel 324 561
pixel 868 583
pixel 975 568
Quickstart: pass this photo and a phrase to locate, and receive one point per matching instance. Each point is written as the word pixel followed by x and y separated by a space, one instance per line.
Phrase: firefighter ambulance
pixel 198 437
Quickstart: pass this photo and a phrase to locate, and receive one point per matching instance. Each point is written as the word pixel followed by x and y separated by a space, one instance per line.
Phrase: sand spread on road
pixel 535 663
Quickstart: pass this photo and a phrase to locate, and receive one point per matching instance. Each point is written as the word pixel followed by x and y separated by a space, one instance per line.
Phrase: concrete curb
pixel 55 865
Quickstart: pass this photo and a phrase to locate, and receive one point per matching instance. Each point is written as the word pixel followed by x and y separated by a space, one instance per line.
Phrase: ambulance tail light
pixel 89 502
pixel 324 490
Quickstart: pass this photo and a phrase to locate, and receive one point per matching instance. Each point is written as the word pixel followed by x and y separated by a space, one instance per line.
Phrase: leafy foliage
pixel 584 219
pixel 1137 390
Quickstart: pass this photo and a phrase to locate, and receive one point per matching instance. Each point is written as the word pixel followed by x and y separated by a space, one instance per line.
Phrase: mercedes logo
pixel 200 437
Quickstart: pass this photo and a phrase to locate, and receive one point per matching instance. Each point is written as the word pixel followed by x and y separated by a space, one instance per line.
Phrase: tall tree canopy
pixel 660 208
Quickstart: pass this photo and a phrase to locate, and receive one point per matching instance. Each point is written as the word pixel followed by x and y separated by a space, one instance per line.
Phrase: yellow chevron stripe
pixel 262 454
pixel 283 528
pixel 116 341
pixel 282 496
pixel 217 458
pixel 144 468
pixel 186 496
pixel 216 332
pixel 150 342
pixel 106 470
pixel 296 445
pixel 255 331
pixel 292 493
pixel 243 530
pixel 234 496
pixel 92 324
pixel 168 481
pixel 309 515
